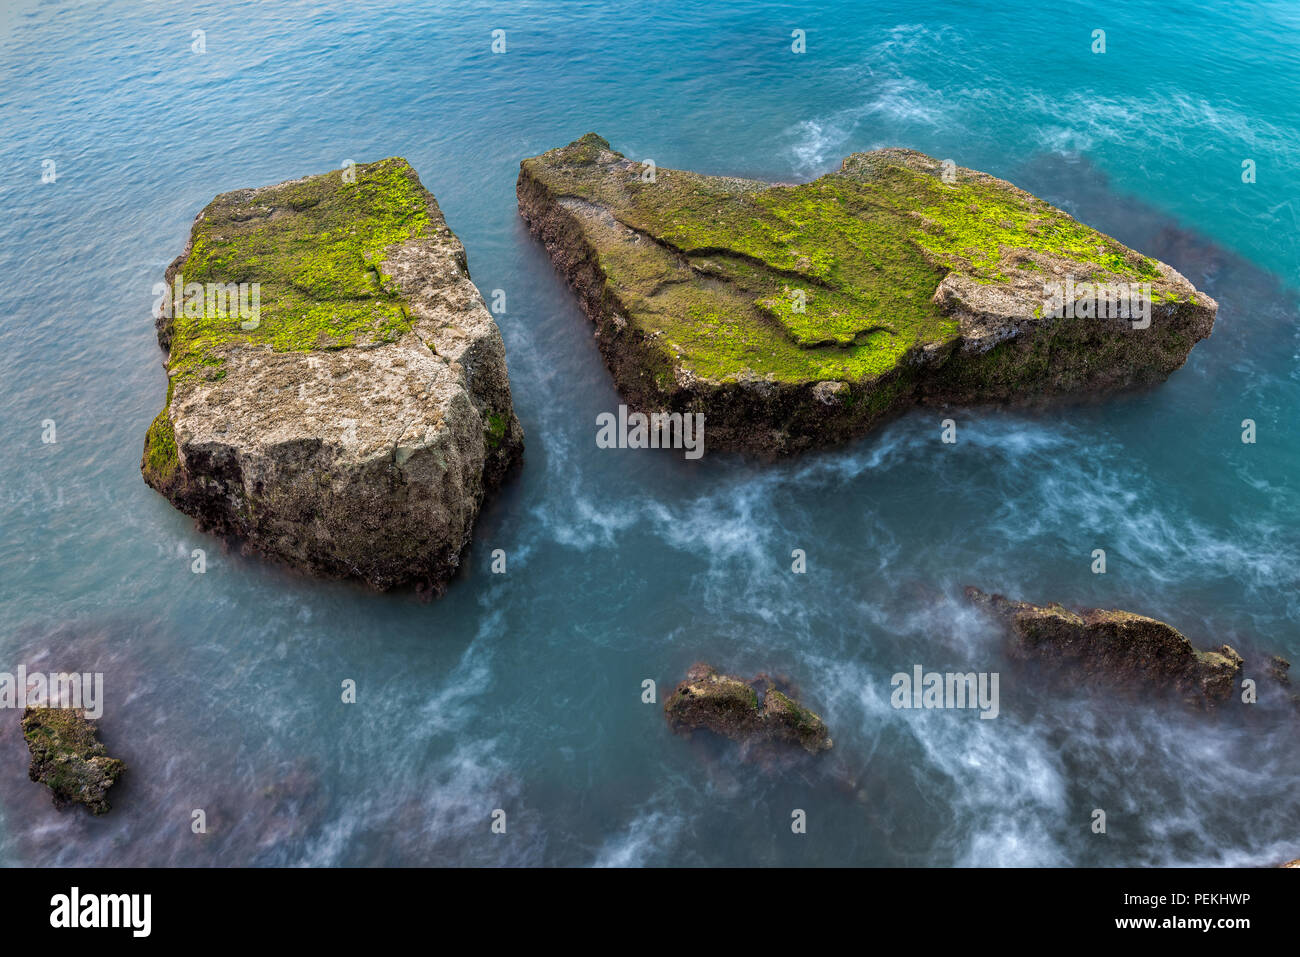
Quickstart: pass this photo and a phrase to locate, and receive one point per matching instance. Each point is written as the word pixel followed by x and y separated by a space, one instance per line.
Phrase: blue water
pixel 522 692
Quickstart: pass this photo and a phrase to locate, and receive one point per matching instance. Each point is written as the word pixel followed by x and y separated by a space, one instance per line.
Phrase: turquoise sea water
pixel 523 692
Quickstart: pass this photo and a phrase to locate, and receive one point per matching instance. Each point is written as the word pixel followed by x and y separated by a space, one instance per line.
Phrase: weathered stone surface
pixel 800 315
pixel 1295 863
pixel 68 757
pixel 352 428
pixel 1110 647
pixel 739 710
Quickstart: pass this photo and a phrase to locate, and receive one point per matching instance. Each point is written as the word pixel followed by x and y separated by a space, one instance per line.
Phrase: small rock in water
pixel 735 709
pixel 1116 646
pixel 68 757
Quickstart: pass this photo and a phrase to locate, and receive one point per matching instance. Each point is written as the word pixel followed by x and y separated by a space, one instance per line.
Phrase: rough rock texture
pixel 738 710
pixel 799 315
pixel 352 427
pixel 1295 863
pixel 68 758
pixel 1116 647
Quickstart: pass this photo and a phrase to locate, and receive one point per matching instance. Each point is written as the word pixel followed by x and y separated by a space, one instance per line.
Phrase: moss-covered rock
pixel 799 315
pixel 68 757
pixel 746 711
pixel 352 425
pixel 1113 647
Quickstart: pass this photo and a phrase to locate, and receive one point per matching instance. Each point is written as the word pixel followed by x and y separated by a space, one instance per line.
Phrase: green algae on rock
pixel 735 709
pixel 1114 647
pixel 796 316
pixel 68 757
pixel 337 390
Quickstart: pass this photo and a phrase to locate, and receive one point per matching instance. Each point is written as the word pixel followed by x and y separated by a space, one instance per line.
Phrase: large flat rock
pixel 795 316
pixel 353 426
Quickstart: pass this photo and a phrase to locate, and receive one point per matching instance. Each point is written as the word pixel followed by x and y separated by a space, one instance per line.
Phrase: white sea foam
pixel 643 842
pixel 818 142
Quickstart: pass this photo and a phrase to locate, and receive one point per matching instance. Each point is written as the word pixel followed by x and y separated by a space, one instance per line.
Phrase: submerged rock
pixel 738 710
pixel 1279 669
pixel 800 315
pixel 68 757
pixel 1116 646
pixel 347 410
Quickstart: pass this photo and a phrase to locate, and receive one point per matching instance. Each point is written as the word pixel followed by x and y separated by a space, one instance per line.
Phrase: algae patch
pixel 315 247
pixel 337 395
pixel 891 277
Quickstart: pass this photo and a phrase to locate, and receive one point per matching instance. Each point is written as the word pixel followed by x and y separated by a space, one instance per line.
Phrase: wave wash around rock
pixel 348 407
pixel 796 316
